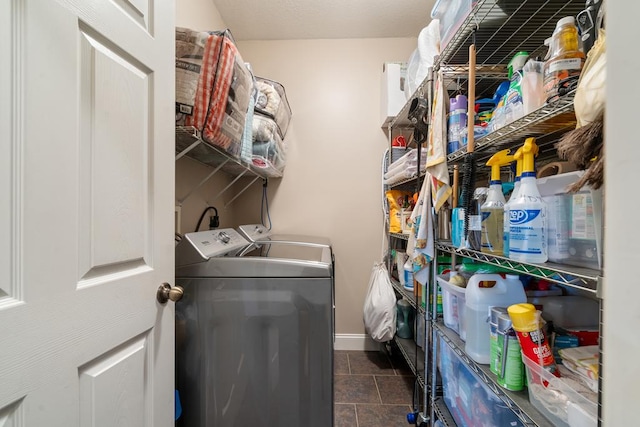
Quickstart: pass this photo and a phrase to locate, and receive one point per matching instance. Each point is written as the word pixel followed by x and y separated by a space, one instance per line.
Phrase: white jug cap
pixel 567 20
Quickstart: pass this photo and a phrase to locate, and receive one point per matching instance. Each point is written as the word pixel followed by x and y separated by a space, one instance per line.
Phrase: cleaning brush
pixel 468 181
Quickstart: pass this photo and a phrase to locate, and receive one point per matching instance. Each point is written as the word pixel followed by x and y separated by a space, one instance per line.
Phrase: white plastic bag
pixel 380 305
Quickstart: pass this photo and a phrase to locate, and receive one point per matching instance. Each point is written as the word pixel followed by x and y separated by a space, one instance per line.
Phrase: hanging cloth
pixel 436 164
pixel 421 245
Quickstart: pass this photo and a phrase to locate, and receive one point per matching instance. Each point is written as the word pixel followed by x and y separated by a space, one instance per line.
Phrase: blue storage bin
pixel 470 401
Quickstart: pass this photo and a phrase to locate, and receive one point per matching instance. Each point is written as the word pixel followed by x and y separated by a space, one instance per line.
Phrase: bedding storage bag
pixel 213 87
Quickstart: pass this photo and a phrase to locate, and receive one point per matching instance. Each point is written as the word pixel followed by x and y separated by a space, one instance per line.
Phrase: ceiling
pixel 324 19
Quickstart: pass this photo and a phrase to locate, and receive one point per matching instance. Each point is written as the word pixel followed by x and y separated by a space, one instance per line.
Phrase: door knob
pixel 166 292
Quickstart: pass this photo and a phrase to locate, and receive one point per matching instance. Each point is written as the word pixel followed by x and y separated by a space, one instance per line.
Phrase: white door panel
pixel 86 205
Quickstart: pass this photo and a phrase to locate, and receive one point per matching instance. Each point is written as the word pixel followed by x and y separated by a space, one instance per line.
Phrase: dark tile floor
pixel 371 389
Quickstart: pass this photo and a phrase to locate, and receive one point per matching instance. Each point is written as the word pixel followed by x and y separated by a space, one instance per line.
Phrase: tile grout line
pixel 355 409
pixel 375 381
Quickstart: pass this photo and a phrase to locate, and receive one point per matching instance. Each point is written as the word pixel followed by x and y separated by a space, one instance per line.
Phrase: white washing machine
pixel 254 332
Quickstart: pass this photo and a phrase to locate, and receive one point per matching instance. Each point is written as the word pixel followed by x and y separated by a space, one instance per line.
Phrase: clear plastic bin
pixel 451 14
pixel 272 102
pixel 557 398
pixel 469 400
pixel 453 299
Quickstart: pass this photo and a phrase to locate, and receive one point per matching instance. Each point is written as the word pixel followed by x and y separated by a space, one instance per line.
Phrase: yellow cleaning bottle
pixel 492 211
pixel 514 195
pixel 528 214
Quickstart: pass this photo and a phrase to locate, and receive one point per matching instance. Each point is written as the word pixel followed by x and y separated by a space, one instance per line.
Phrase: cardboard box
pixel 392 97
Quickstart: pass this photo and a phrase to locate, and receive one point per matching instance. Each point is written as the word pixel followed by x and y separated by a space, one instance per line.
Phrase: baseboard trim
pixel 355 342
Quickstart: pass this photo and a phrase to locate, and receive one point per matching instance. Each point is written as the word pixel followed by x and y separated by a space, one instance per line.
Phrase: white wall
pixel 331 185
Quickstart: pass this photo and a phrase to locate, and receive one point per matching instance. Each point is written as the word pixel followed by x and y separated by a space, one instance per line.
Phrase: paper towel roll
pixel 556 168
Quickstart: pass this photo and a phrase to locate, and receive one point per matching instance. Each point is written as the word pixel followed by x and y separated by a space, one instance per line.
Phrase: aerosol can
pixel 492 211
pixel 528 214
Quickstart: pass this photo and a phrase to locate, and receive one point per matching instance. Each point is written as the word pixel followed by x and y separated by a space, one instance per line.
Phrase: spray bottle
pixel 514 195
pixel 492 211
pixel 528 214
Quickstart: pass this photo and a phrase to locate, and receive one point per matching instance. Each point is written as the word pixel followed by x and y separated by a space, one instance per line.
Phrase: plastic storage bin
pixel 557 398
pixel 469 400
pixel 272 102
pixel 268 148
pixel 451 14
pixel 453 301
pixel 574 221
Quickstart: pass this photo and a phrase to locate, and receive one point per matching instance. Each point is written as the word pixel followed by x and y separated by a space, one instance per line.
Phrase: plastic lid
pixel 458 103
pixel 567 20
pixel 524 316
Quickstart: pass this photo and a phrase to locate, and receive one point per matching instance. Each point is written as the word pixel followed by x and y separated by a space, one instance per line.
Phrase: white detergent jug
pixel 483 292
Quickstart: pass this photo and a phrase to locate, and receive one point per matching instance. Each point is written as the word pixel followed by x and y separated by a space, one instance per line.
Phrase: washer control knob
pixel 224 237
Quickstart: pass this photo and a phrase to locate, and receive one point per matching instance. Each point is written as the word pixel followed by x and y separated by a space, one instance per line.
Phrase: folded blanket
pixel 264 129
pixel 272 102
pixel 268 98
pixel 213 86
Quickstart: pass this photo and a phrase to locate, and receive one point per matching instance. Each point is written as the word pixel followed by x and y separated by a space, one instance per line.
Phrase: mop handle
pixel 471 108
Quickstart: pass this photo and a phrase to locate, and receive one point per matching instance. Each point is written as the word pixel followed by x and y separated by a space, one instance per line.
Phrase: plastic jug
pixel 404 319
pixel 483 292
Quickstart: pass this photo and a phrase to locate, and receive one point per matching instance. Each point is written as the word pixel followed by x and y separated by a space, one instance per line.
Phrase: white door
pixel 86 212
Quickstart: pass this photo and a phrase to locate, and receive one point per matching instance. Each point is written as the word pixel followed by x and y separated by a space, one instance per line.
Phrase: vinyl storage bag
pixel 213 87
pixel 380 305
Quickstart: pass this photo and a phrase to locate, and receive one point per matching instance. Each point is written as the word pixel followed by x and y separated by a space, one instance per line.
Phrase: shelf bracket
pixel 228 186
pixel 242 191
pixel 207 178
pixel 189 148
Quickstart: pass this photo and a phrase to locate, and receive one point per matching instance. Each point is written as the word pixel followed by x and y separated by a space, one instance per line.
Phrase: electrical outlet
pixel 177 219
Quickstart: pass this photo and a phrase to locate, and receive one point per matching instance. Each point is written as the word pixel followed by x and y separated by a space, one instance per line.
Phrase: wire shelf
pixel 576 277
pixel 414 357
pixel 401 120
pixel 518 402
pixel 504 28
pixel 443 414
pixel 189 143
pixel 399 236
pixel 404 182
pixel 408 295
pixel 550 121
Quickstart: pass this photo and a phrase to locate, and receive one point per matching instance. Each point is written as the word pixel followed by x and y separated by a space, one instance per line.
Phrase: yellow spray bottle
pixel 514 195
pixel 492 211
pixel 528 213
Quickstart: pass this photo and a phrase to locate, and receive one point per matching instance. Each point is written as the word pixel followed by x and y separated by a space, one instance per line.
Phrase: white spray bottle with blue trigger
pixel 514 195
pixel 528 214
